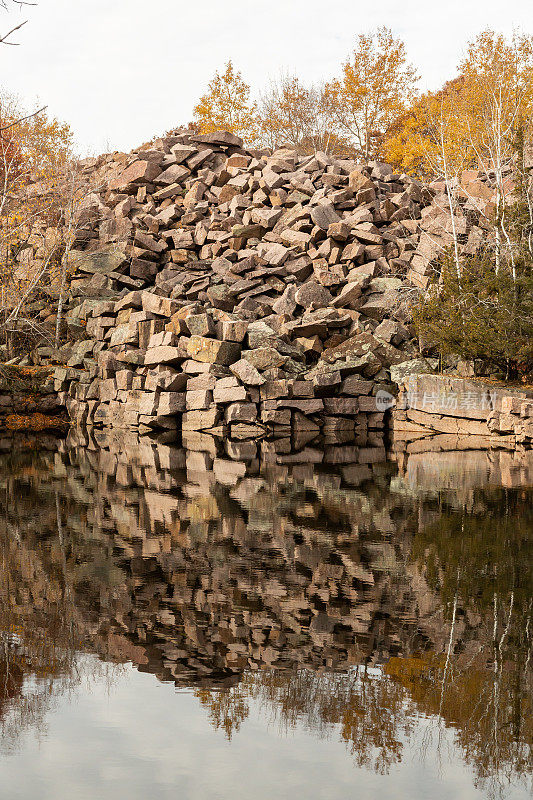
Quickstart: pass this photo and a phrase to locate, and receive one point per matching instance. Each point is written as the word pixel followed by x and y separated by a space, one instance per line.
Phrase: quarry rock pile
pixel 246 293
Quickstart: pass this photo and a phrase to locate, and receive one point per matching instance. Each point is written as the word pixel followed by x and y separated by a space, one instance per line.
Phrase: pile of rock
pixel 252 293
pixel 474 206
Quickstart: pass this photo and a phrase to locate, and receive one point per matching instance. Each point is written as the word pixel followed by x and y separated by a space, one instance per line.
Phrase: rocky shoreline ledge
pixel 433 406
pixel 431 414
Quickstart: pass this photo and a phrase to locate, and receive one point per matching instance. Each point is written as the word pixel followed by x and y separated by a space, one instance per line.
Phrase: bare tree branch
pixel 6 5
pixel 22 119
pixel 3 39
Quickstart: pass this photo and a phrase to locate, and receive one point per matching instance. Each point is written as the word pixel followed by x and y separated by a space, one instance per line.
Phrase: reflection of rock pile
pixel 269 577
pixel 209 577
pixel 197 567
pixel 465 470
pixel 236 566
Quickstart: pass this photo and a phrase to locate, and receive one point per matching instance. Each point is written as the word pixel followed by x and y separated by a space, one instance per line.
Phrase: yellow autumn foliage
pixel 473 120
pixel 33 153
pixel 376 86
pixel 226 106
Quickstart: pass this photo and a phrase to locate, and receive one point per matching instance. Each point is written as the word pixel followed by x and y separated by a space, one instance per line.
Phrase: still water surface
pixel 178 624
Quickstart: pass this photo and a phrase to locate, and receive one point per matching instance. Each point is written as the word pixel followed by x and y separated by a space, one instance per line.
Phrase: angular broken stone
pixel 312 294
pixel 247 373
pixel 326 382
pixel 233 330
pixel 136 174
pixel 355 386
pixel 171 403
pixel 274 254
pixel 212 351
pixel 172 175
pixel 164 355
pixel 263 358
pixel 124 334
pixel 199 399
pixel 200 325
pixel 324 215
pixel 241 412
pixel 219 137
pixel 367 403
pixel 348 295
pixel 200 420
pixel 228 390
pixel 293 257
pixel 286 304
pixel 339 231
pixel 296 239
pixel 306 406
pixel 353 252
pixel 277 416
pixel 342 405
pixel 162 306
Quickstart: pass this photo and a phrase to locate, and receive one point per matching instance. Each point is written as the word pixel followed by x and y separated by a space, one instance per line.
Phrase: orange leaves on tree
pixel 473 119
pixel 31 149
pixel 435 128
pixel 33 152
pixel 226 106
pixel 34 422
pixel 376 86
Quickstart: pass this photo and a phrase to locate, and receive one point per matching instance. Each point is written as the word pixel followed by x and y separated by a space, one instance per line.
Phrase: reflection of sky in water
pixel 135 737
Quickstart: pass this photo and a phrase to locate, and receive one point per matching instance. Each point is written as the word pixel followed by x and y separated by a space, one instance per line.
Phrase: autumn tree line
pixel 373 108
pixel 41 192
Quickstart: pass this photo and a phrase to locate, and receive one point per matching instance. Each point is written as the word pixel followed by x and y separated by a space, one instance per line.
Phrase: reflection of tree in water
pixel 34 668
pixel 375 712
pixel 480 684
pixel 228 709
pixel 40 633
pixel 481 564
pixel 367 706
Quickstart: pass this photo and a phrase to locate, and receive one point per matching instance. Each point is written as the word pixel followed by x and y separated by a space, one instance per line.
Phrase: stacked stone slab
pixel 244 293
pixel 474 414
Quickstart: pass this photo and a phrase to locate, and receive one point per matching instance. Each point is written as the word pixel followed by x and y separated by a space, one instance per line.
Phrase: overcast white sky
pixel 122 71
